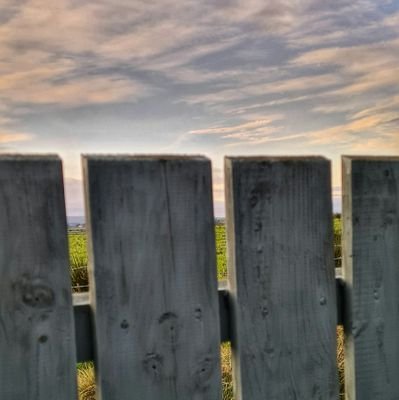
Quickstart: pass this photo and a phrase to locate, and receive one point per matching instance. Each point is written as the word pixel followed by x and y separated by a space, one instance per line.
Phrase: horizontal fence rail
pixel 84 331
pixel 155 315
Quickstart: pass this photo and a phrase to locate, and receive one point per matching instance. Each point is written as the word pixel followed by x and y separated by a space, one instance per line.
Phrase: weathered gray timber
pixel 153 276
pixel 281 272
pixel 37 341
pixel 371 272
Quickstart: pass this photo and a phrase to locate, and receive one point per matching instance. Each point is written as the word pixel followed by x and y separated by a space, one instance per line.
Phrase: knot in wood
pixel 203 372
pixel 170 327
pixel 265 311
pixel 36 294
pixel 153 365
pixel 43 339
pixel 124 324
pixel 198 313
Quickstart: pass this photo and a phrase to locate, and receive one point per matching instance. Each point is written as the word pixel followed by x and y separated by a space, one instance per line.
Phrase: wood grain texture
pixel 371 272
pixel 153 267
pixel 37 341
pixel 281 272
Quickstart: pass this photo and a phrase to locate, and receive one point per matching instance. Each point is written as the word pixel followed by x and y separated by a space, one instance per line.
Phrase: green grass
pixel 221 258
pixel 86 378
pixel 78 262
pixel 337 226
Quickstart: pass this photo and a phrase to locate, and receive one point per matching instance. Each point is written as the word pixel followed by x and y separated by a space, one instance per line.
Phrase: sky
pixel 243 77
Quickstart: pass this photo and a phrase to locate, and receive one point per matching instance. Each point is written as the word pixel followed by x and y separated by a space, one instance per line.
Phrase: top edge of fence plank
pixel 144 157
pixel 274 158
pixel 370 158
pixel 29 157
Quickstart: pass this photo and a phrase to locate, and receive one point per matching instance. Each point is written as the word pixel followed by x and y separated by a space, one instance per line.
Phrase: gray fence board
pixel 281 271
pixel 371 272
pixel 37 341
pixel 153 273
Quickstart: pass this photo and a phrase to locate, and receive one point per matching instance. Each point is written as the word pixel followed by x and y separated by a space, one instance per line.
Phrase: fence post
pixel 153 274
pixel 371 272
pixel 281 272
pixel 37 342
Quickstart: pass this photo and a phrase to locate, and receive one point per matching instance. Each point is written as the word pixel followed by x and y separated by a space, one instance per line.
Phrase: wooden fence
pixel 155 319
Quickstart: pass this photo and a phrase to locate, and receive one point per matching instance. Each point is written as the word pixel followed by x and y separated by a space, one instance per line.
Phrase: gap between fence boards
pixel 84 328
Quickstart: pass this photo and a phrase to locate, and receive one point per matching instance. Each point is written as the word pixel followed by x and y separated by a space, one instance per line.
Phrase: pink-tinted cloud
pixel 12 137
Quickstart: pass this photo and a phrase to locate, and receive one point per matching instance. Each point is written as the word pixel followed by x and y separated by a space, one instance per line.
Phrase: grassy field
pixel 78 262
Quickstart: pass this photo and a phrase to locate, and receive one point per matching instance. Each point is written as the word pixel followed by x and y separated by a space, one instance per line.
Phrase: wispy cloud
pixel 43 87
pixel 364 68
pixel 74 196
pixel 254 132
pixel 72 41
pixel 12 137
pixel 327 70
pixel 250 131
pixel 374 133
pixel 226 131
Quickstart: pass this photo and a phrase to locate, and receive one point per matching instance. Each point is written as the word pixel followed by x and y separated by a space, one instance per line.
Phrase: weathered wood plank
pixel 281 271
pixel 371 272
pixel 153 271
pixel 37 341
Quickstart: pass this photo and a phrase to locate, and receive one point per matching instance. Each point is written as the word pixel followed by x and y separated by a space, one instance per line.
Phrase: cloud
pixel 47 83
pixel 340 22
pixel 387 144
pixel 5 120
pixel 74 196
pixel 48 56
pixel 337 191
pixel 255 131
pixel 218 192
pixel 377 133
pixel 72 46
pixel 225 131
pixel 364 68
pixel 285 87
pixel 335 107
pixel 329 68
pixel 387 108
pixel 218 184
pixel 11 137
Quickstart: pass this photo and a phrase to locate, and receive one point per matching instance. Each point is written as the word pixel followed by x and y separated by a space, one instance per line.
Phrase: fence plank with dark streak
pixel 153 265
pixel 37 341
pixel 281 275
